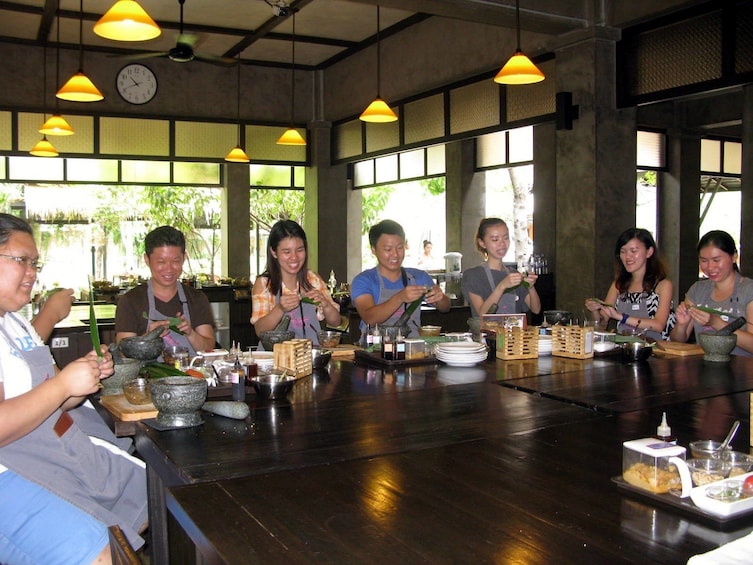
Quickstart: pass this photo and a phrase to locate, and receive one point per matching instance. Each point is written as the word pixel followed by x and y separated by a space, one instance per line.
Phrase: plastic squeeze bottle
pixel 664 432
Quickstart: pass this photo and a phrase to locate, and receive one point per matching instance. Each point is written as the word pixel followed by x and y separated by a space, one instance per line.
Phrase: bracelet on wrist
pixel 624 319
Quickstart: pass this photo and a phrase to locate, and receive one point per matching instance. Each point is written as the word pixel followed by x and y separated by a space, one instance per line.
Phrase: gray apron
pixel 414 322
pixel 301 320
pixel 172 337
pixel 59 456
pixel 508 303
pixel 637 310
pixel 736 312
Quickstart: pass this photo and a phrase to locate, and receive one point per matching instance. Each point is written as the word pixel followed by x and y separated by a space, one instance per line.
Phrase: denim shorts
pixel 40 528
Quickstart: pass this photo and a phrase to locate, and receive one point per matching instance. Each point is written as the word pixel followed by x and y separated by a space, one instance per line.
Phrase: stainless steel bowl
pixel 320 357
pixel 273 386
pixel 635 351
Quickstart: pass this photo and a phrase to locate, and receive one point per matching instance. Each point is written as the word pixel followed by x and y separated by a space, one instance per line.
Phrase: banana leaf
pixel 409 311
pixel 174 322
pixel 93 327
pixel 710 310
pixel 307 300
pixel 514 288
pixel 600 302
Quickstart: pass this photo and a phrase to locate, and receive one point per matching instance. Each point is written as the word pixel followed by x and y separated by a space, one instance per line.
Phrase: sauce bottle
pixel 376 341
pixel 664 432
pixel 388 351
pixel 238 379
pixel 399 347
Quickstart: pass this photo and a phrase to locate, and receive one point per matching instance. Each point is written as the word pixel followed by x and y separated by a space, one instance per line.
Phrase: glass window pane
pixel 6 132
pixel 204 139
pixel 521 144
pixel 435 159
pixel 386 169
pixel 364 173
pixel 645 201
pixel 733 157
pixel 723 214
pixel 2 168
pixel 412 164
pixel 650 151
pixel 299 177
pixel 196 173
pixel 491 149
pixel 146 171
pixel 134 136
pixel 500 197
pixel 277 176
pixel 94 170
pixel 35 168
pixel 711 152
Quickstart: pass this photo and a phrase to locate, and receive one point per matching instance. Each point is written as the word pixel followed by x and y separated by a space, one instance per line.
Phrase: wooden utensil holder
pixel 518 343
pixel 295 356
pixel 575 342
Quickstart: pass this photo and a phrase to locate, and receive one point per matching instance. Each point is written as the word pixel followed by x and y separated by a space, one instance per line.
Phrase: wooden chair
pixel 121 551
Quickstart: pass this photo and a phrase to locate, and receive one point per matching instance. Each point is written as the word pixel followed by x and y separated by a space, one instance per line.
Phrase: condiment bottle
pixel 388 350
pixel 238 379
pixel 664 432
pixel 369 339
pixel 376 340
pixel 399 347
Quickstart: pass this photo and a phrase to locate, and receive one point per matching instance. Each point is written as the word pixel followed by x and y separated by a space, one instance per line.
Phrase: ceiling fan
pixel 183 52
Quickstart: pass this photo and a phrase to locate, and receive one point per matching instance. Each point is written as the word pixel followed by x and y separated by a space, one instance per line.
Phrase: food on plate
pixel 652 478
pixel 748 486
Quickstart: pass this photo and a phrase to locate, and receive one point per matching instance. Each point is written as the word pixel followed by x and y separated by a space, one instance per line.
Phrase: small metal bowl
pixel 705 449
pixel 273 386
pixel 320 357
pixel 635 351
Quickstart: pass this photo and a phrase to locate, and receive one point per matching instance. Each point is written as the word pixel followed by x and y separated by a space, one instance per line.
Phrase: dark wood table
pixel 338 421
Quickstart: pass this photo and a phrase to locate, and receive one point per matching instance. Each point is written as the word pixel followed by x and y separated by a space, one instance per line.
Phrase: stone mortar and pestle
pixel 718 344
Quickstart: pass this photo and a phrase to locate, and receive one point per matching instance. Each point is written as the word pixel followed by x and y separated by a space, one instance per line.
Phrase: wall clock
pixel 136 84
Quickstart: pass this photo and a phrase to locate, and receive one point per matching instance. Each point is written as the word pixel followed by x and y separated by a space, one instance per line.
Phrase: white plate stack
pixel 460 353
pixel 545 345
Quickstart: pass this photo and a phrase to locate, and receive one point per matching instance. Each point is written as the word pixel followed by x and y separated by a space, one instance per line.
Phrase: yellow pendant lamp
pixel 79 88
pixel 237 154
pixel 126 20
pixel 291 136
pixel 44 148
pixel 56 125
pixel 378 111
pixel 519 69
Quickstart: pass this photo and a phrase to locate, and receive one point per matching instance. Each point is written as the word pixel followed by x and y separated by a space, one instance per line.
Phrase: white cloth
pixel 738 552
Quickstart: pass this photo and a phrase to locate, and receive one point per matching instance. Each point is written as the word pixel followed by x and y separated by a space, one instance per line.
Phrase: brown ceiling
pixel 326 30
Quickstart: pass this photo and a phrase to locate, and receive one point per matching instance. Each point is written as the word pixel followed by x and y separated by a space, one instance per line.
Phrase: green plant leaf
pixel 174 323
pixel 712 311
pixel 307 300
pixel 93 327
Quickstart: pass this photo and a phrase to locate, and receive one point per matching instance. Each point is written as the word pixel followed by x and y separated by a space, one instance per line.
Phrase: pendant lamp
pixel 291 136
pixel 519 69
pixel 237 154
pixel 127 21
pixel 378 111
pixel 79 88
pixel 56 124
pixel 43 147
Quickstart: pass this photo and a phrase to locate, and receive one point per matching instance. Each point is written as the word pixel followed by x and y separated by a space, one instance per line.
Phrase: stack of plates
pixel 545 345
pixel 460 353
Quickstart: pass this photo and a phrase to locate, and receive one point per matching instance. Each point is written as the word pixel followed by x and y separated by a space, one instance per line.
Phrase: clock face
pixel 136 84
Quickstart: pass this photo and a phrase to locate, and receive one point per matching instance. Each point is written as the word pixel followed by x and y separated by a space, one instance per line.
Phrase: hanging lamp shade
pixel 127 21
pixel 237 155
pixel 291 137
pixel 378 112
pixel 519 70
pixel 56 125
pixel 79 89
pixel 44 148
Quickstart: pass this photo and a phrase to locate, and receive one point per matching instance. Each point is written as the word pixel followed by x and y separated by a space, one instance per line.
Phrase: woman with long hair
pixel 640 296
pixel 723 289
pixel 492 283
pixel 287 286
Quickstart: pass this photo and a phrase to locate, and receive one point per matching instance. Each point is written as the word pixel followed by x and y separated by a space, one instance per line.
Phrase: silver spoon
pixel 730 435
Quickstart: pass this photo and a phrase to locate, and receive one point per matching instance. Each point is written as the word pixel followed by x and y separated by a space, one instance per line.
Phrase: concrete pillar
pixel 746 228
pixel 679 207
pixel 465 200
pixel 545 192
pixel 236 249
pixel 595 168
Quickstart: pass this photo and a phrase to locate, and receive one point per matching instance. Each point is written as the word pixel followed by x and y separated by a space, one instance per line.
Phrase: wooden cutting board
pixel 344 351
pixel 678 348
pixel 123 410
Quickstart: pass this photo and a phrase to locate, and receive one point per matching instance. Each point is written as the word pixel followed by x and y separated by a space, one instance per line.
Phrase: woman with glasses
pixel 64 477
pixel 723 289
pixel 640 296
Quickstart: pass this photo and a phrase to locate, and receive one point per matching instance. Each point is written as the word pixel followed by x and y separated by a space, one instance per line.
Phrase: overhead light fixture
pixel 79 88
pixel 378 111
pixel 44 148
pixel 127 21
pixel 57 124
pixel 237 154
pixel 291 136
pixel 519 69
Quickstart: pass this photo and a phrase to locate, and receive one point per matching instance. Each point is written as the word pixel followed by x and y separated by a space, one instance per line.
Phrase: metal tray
pixel 372 359
pixel 685 506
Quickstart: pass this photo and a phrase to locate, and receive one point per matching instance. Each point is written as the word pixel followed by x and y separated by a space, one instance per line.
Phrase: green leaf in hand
pixel 93 327
pixel 710 310
pixel 307 300
pixel 174 322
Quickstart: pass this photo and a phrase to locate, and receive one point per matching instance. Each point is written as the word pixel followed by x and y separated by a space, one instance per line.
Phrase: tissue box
pixel 645 464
